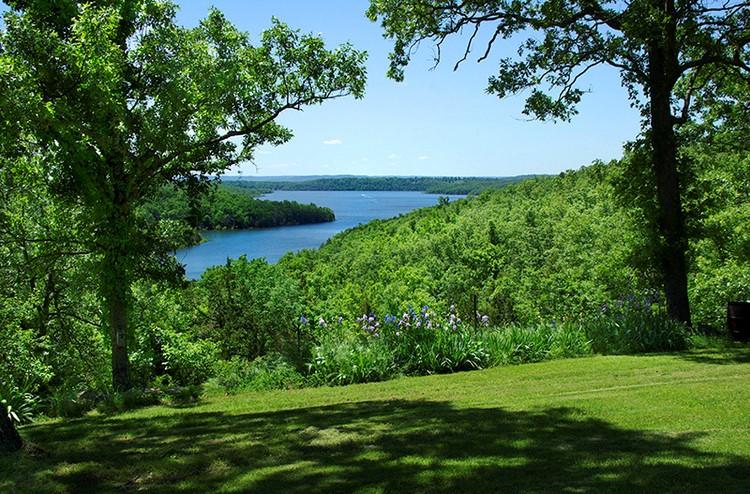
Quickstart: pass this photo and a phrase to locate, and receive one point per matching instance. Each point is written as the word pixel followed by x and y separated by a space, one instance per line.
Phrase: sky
pixel 437 122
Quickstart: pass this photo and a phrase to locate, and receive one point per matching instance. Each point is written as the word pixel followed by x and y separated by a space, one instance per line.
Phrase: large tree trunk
pixel 9 439
pixel 670 217
pixel 116 289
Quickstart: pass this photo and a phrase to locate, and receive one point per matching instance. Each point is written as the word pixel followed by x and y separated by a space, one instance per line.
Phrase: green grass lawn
pixel 666 423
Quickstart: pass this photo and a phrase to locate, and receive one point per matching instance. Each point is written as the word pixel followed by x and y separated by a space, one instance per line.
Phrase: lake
pixel 351 208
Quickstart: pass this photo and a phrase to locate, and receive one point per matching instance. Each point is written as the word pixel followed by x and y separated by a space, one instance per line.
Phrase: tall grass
pixel 422 343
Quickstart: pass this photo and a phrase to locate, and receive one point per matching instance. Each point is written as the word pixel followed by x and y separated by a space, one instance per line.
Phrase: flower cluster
pixel 483 320
pixel 369 324
pixel 412 319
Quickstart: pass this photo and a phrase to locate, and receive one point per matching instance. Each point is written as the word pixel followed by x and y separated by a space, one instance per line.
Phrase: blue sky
pixel 437 122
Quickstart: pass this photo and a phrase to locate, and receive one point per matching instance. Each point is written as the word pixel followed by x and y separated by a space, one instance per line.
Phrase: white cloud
pixel 393 156
pixel 333 142
pixel 422 158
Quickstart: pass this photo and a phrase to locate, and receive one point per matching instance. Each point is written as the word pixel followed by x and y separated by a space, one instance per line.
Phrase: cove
pixel 351 208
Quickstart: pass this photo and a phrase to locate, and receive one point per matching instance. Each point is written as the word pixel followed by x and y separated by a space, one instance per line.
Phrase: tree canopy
pixel 120 100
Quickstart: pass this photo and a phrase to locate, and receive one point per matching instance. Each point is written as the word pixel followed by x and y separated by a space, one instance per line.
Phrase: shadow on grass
pixel 730 353
pixel 391 446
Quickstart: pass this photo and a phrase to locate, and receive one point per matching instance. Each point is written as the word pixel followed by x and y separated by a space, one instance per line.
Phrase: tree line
pixel 231 208
pixel 430 185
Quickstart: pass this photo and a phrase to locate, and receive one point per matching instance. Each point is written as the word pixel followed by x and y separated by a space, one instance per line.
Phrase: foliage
pixel 343 357
pixel 20 401
pixel 430 185
pixel 271 371
pixel 515 344
pixel 248 311
pixel 232 208
pixel 544 249
pixel 122 101
pixel 635 326
pixel 165 340
pixel 418 343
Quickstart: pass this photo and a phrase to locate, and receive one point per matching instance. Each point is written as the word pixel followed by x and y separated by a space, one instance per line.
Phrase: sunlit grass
pixel 663 423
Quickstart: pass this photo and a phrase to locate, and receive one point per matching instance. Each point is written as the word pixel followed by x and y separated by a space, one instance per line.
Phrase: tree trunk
pixel 10 441
pixel 670 217
pixel 116 290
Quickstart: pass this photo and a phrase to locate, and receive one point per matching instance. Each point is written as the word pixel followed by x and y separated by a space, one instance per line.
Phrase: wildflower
pixel 302 320
pixel 341 320
pixel 322 323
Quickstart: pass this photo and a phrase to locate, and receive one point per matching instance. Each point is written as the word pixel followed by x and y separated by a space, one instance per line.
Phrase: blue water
pixel 351 208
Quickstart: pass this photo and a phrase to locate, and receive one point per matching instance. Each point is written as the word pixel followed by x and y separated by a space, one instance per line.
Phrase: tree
pixel 121 101
pixel 668 52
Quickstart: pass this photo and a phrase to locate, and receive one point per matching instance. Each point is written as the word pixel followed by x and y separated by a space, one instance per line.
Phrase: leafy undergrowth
pixel 659 423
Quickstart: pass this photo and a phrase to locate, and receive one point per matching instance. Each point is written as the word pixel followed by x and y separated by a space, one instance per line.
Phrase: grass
pixel 659 423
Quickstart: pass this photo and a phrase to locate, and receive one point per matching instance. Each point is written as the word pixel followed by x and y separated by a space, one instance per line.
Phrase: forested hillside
pixel 552 248
pixel 432 185
pixel 547 248
pixel 233 208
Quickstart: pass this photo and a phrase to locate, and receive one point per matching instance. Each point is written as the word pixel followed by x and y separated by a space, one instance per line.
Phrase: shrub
pixel 190 363
pixel 271 371
pixel 72 402
pixel 23 405
pixel 248 308
pixel 635 326
pixel 517 345
pixel 165 341
pixel 128 400
pixel 344 357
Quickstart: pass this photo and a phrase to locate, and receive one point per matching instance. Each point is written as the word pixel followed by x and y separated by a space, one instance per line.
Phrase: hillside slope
pixel 544 248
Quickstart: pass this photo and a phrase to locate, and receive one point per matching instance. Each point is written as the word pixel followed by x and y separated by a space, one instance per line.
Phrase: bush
pixel 72 402
pixel 518 345
pixel 351 360
pixel 165 341
pixel 189 363
pixel 23 405
pixel 248 308
pixel 422 343
pixel 128 400
pixel 271 371
pixel 635 326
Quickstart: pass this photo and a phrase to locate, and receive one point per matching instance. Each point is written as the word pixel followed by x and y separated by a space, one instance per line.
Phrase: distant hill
pixel 433 185
pixel 281 178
